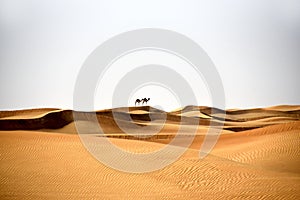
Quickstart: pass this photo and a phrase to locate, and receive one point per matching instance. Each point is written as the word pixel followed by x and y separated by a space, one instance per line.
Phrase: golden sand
pixel 256 157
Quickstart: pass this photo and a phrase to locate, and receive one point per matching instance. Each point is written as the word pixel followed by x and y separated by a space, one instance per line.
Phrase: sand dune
pixel 284 107
pixel 256 157
pixel 25 114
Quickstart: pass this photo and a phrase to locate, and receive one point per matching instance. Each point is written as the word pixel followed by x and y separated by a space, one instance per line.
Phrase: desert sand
pixel 257 155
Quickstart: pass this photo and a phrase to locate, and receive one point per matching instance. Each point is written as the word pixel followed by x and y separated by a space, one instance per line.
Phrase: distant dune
pixel 256 157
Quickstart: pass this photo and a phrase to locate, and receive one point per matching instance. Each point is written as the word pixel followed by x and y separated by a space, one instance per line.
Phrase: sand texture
pixel 257 155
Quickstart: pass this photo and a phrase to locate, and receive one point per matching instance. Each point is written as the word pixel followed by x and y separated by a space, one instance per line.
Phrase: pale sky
pixel 254 45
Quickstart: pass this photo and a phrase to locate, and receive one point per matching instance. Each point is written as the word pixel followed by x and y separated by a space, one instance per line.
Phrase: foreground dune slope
pixel 257 163
pixel 274 148
pixel 42 165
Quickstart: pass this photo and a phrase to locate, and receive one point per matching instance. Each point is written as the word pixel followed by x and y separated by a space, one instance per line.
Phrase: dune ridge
pixel 236 120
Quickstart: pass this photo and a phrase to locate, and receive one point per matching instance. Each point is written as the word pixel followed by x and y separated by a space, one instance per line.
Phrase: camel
pixel 138 101
pixel 145 100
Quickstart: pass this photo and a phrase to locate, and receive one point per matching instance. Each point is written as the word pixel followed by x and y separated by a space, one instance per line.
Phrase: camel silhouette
pixel 138 101
pixel 144 100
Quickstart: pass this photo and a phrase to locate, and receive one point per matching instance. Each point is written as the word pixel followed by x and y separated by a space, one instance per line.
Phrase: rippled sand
pixel 256 157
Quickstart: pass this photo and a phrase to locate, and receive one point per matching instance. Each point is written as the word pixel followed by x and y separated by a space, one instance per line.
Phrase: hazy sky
pixel 254 45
